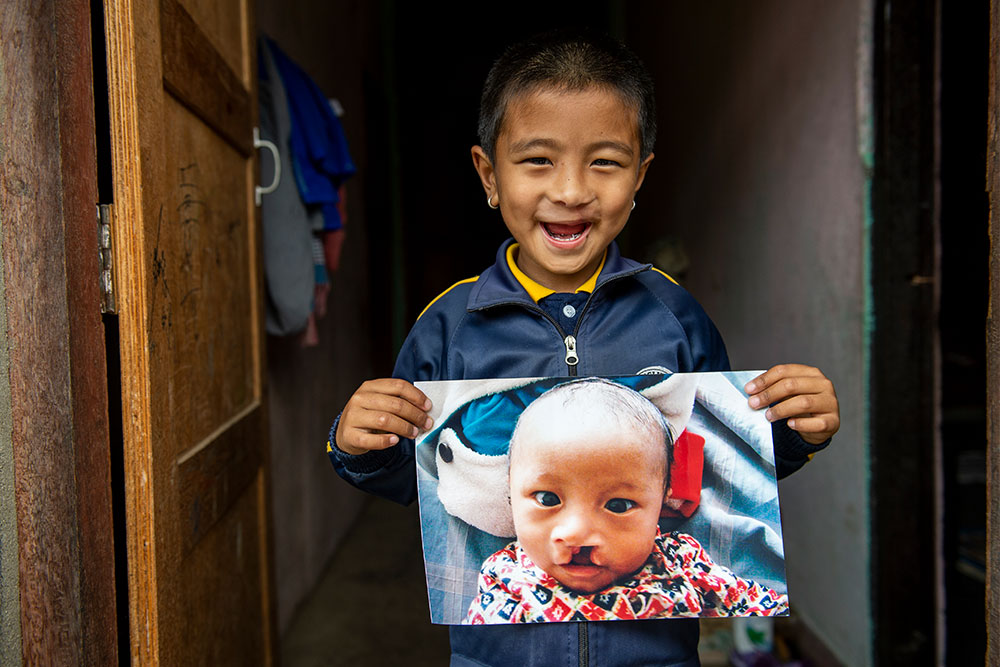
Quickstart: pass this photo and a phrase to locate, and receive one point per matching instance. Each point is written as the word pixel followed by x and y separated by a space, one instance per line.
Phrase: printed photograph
pixel 599 499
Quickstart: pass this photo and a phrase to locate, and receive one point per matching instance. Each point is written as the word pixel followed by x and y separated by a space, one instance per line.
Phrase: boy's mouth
pixel 565 232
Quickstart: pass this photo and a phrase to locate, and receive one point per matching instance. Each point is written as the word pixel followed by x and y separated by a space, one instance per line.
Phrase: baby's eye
pixel 546 498
pixel 619 505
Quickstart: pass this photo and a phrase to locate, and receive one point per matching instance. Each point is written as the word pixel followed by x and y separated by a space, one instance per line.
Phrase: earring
pixel 489 202
pixel 633 205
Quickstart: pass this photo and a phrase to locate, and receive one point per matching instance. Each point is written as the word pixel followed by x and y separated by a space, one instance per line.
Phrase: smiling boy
pixel 590 468
pixel 566 135
pixel 565 175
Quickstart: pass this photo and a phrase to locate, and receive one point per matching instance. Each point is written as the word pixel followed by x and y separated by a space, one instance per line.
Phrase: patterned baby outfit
pixel 679 579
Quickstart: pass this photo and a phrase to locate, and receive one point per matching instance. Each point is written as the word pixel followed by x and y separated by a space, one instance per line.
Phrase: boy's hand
pixel 802 394
pixel 381 412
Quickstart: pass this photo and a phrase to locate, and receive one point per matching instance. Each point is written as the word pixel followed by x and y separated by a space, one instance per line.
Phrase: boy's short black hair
pixel 572 59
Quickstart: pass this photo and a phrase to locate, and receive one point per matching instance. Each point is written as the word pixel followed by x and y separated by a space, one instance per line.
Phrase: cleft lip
pixel 581 557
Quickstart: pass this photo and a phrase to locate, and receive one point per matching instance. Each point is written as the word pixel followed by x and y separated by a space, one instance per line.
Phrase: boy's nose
pixel 570 188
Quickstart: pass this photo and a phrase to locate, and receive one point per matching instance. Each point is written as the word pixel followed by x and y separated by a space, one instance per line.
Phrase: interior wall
pixel 313 507
pixel 759 182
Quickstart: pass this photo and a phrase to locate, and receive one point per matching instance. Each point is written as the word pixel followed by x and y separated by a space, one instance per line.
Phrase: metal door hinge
pixel 108 304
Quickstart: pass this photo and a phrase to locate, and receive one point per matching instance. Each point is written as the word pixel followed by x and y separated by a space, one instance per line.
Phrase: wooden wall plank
pixel 39 363
pixel 48 193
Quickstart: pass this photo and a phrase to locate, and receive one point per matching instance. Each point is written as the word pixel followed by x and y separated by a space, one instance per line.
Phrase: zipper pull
pixel 571 358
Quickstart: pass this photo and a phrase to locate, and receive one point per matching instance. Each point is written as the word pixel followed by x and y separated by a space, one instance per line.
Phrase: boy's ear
pixel 642 170
pixel 484 167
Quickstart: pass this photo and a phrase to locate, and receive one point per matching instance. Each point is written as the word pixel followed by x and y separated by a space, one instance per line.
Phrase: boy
pixel 566 130
pixel 589 472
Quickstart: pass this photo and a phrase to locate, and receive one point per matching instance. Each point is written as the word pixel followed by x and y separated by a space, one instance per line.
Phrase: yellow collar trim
pixel 538 292
pixel 460 282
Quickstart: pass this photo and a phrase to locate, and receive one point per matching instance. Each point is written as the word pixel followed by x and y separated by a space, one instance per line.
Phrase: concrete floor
pixel 343 623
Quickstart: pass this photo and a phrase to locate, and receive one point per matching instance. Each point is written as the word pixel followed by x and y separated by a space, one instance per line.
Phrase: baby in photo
pixel 590 468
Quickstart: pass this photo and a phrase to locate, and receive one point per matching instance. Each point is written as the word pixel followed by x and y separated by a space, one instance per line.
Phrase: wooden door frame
pixel 57 372
pixel 902 363
pixel 993 353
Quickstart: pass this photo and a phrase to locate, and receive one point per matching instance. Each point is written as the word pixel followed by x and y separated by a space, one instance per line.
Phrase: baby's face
pixel 586 498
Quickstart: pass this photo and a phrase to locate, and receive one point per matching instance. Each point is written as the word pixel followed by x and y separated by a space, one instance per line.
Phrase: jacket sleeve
pixel 791 452
pixel 391 473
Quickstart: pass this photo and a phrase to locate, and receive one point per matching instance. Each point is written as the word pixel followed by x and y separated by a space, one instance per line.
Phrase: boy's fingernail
pixel 393 439
pixel 428 423
pixel 768 415
pixel 750 386
pixel 754 402
pixel 414 431
pixel 428 405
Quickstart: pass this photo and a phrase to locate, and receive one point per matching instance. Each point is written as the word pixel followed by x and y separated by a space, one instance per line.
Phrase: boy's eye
pixel 541 161
pixel 619 505
pixel 602 162
pixel 546 498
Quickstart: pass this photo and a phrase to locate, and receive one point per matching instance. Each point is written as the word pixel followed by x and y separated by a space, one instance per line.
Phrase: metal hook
pixel 259 192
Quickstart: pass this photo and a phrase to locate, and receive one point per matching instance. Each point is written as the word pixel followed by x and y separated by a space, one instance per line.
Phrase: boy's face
pixel 566 172
pixel 586 498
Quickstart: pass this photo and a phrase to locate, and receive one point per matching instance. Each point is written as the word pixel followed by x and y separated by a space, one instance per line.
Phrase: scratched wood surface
pixel 202 286
pixel 57 378
pixel 993 354
pixel 190 322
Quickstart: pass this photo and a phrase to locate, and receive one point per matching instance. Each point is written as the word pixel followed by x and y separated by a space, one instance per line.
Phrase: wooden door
pixel 185 229
pixel 993 350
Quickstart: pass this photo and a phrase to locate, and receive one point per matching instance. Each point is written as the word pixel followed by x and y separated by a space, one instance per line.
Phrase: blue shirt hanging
pixel 319 148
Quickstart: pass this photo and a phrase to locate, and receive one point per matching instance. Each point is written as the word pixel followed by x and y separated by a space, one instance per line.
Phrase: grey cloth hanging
pixel 287 224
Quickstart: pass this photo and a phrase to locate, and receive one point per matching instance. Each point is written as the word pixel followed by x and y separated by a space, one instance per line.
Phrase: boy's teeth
pixel 565 232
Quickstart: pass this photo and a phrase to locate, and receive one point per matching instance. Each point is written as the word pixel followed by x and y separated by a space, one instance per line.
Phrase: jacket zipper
pixel 569 341
pixel 584 644
pixel 571 359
